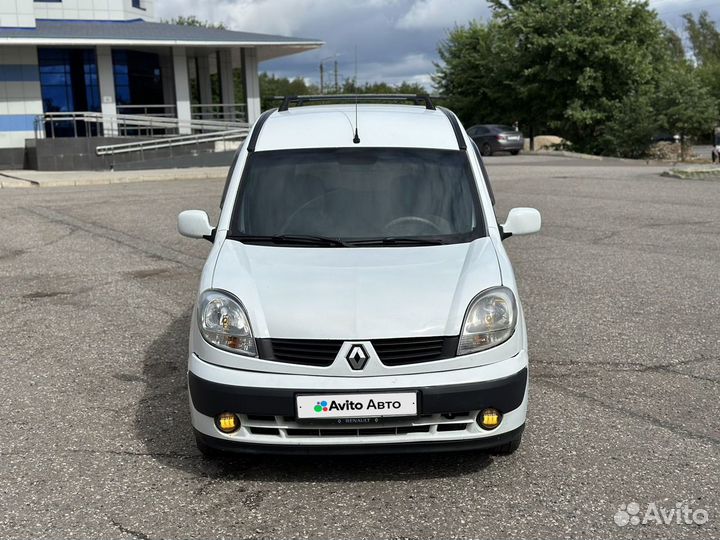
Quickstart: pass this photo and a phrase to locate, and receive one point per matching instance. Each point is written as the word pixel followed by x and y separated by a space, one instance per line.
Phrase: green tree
pixel 477 72
pixel 579 60
pixel 674 45
pixel 685 105
pixel 272 86
pixel 350 86
pixel 704 40
pixel 631 125
pixel 591 71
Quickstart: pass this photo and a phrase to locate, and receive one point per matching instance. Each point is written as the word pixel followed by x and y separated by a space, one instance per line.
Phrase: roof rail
pixel 456 128
pixel 256 129
pixel 417 99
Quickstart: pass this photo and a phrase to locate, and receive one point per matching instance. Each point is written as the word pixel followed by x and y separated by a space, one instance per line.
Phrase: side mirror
pixel 521 221
pixel 195 224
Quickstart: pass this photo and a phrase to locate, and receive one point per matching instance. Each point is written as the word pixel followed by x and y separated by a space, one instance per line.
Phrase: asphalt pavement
pixel 620 291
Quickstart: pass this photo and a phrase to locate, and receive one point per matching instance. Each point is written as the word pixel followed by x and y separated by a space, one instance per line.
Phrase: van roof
pixel 332 126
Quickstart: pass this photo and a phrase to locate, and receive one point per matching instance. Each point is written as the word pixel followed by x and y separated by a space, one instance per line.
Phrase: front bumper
pixel 449 403
pixel 414 447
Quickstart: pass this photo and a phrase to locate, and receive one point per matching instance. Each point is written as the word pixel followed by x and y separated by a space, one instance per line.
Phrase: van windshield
pixel 357 196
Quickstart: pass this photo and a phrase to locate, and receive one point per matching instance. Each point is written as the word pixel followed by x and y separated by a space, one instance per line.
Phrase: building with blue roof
pixel 105 68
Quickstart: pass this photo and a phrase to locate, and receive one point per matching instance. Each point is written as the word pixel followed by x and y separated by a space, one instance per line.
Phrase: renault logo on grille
pixel 357 356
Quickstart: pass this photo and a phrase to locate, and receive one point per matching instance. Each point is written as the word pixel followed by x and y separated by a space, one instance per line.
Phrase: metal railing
pixel 161 131
pixel 172 142
pixel 149 110
pixel 95 124
pixel 229 112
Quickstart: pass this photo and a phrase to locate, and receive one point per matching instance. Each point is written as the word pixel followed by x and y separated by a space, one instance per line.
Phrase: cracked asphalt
pixel 621 297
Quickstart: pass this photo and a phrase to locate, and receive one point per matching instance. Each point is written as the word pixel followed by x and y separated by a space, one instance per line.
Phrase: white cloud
pixel 671 11
pixel 288 17
pixel 411 68
pixel 414 68
pixel 396 40
pixel 441 13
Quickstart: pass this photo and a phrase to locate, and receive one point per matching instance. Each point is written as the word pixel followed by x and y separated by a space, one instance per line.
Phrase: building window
pixel 48 1
pixel 136 4
pixel 137 79
pixel 69 83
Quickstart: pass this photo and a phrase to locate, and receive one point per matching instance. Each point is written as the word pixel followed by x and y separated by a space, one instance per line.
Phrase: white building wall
pixel 17 13
pixel 20 98
pixel 252 84
pixel 182 89
pixel 146 12
pixel 106 80
pixel 22 13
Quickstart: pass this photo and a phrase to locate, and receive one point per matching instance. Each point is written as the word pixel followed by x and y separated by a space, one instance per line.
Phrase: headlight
pixel 489 321
pixel 224 323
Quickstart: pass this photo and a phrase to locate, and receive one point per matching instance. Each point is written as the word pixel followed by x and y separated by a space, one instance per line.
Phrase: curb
pixel 15 184
pixel 124 177
pixel 565 153
pixel 10 181
pixel 592 157
pixel 706 174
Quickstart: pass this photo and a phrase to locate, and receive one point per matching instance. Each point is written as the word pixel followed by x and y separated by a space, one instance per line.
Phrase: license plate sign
pixel 331 406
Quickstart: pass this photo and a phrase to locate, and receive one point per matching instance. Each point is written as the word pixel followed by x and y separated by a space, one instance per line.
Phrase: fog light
pixel 489 418
pixel 227 422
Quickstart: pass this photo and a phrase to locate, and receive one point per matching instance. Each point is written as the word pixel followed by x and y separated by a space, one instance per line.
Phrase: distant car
pixel 491 138
pixel 666 137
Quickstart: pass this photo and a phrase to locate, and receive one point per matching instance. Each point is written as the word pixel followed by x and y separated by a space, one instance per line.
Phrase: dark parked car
pixel 666 137
pixel 491 138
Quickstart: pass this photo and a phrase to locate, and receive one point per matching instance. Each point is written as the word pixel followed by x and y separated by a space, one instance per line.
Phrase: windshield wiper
pixel 291 239
pixel 397 241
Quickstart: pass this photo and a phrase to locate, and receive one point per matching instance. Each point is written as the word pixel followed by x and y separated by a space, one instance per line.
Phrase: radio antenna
pixel 356 139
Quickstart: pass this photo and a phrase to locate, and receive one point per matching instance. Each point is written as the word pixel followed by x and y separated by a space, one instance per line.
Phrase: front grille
pixel 402 351
pixel 392 352
pixel 306 352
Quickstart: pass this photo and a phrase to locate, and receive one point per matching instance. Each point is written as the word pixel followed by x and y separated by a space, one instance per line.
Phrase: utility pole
pixel 322 73
pixel 337 88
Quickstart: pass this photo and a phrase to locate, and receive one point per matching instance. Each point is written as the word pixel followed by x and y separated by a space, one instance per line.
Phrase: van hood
pixel 356 293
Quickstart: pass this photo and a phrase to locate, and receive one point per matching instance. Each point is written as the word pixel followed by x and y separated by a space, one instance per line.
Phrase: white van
pixel 357 297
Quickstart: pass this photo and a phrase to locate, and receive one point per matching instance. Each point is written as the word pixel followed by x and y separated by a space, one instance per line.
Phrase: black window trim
pixel 250 148
pixel 485 174
pixel 230 176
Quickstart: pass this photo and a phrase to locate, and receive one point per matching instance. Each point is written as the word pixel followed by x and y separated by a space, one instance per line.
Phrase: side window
pixel 229 177
pixel 480 130
pixel 472 131
pixel 484 171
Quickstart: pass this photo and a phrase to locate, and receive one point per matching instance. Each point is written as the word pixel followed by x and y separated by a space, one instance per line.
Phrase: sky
pixel 396 40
